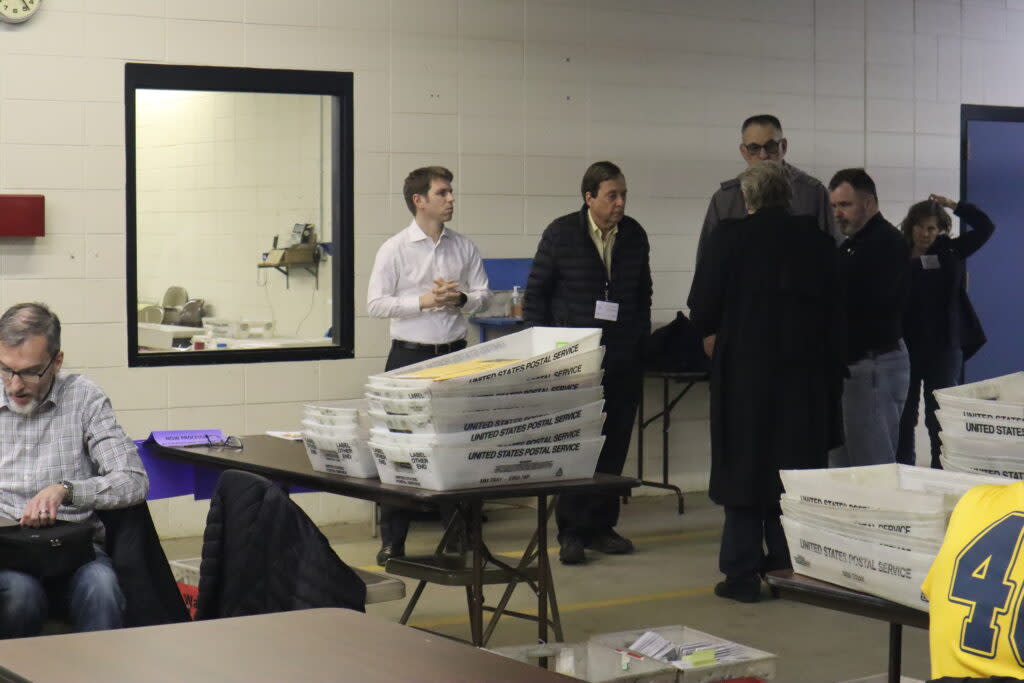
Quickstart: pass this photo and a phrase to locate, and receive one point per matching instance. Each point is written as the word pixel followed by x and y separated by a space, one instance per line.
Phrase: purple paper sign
pixel 187 437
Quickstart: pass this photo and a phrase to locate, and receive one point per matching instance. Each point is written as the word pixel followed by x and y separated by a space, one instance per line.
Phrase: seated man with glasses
pixel 62 456
pixel 762 140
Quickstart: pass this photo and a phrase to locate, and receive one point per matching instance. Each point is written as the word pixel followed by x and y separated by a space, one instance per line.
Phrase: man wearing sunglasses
pixel 62 456
pixel 762 140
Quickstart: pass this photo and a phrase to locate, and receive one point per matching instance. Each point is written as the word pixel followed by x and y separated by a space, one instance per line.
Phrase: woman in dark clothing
pixel 766 300
pixel 940 326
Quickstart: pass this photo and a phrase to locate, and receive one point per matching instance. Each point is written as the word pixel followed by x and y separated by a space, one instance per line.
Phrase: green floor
pixel 667 581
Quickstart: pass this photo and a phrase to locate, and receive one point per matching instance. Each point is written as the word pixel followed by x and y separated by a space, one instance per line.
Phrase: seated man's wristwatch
pixel 69 492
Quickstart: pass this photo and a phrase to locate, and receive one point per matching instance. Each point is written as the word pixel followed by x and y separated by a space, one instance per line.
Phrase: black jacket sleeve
pixel 541 282
pixel 972 240
pixel 708 289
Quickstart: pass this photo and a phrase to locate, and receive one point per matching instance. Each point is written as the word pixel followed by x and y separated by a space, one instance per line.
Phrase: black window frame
pixel 334 84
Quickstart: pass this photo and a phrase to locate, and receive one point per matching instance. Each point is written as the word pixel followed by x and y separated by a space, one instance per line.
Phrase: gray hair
pixel 24 321
pixel 765 185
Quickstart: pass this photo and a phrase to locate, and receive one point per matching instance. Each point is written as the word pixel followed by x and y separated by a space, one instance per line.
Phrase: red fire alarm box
pixel 22 215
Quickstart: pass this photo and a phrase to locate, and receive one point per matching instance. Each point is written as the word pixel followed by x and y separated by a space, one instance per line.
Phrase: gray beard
pixel 25 410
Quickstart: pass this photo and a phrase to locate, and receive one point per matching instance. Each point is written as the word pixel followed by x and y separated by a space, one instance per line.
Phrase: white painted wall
pixel 517 97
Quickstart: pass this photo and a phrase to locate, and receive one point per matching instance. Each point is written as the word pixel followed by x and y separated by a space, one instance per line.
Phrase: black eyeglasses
pixel 227 442
pixel 27 377
pixel 771 147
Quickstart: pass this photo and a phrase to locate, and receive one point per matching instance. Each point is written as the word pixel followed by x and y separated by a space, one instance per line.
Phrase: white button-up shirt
pixel 406 267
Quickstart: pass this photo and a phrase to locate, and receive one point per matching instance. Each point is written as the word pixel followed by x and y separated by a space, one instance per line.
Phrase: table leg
pixel 476 612
pixel 542 566
pixel 895 652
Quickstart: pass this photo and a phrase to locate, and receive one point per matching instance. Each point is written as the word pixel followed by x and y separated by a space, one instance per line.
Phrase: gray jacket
pixel 810 198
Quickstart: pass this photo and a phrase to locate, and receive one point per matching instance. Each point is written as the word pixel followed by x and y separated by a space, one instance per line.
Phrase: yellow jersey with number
pixel 975 587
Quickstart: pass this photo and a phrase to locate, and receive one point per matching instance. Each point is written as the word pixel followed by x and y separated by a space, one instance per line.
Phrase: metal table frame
pixel 286 462
pixel 823 594
pixel 667 404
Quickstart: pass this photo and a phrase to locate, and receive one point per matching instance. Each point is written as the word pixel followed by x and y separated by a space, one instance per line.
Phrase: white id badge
pixel 606 310
pixel 929 261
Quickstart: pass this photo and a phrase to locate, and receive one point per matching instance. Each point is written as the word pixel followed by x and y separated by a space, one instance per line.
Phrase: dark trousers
pixel 934 368
pixel 748 531
pixel 584 514
pixel 394 521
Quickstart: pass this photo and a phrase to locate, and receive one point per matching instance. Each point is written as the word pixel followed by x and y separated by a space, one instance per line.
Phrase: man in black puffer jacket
pixel 592 269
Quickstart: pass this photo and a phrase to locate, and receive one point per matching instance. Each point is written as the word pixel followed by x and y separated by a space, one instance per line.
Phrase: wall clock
pixel 17 11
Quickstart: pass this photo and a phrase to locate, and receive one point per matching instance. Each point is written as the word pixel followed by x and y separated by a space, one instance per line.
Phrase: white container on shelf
pixel 893 488
pixel 454 423
pixel 469 467
pixel 351 457
pixel 529 352
pixel 536 387
pixel 988 449
pixel 552 423
pixel 980 425
pixel 548 401
pixel 1008 470
pixel 1003 396
pixel 859 564
pixel 929 527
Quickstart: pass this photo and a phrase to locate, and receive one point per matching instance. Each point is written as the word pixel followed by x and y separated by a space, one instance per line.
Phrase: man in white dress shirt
pixel 425 279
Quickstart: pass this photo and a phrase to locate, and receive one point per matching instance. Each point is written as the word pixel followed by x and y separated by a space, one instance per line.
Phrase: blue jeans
pixel 935 369
pixel 90 598
pixel 873 398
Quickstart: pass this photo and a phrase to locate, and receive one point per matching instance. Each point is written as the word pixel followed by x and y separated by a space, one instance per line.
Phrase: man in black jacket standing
pixel 874 266
pixel 592 269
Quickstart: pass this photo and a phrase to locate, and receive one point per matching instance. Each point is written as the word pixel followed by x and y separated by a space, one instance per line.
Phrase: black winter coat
pixel 568 278
pixel 768 287
pixel 150 591
pixel 263 554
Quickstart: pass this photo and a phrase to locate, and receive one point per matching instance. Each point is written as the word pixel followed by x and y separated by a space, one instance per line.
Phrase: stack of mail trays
pixel 336 436
pixel 523 408
pixel 983 426
pixel 874 529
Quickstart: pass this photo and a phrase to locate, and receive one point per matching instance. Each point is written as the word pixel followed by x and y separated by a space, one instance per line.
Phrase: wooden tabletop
pixel 823 594
pixel 286 461
pixel 308 645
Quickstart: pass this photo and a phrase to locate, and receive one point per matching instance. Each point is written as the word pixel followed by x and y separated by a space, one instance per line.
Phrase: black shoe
pixel 387 552
pixel 610 543
pixel 571 551
pixel 741 591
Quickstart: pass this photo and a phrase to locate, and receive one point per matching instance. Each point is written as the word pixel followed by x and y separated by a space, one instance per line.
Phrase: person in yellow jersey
pixel 975 587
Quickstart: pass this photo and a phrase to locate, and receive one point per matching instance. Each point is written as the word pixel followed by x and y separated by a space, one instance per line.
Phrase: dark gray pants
pixel 586 514
pixel 394 521
pixel 747 533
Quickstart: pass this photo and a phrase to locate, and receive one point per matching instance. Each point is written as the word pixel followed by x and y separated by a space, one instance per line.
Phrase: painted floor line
pixel 581 606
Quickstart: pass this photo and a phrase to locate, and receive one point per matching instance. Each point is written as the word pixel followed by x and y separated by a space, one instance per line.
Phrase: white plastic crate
pixel 442 405
pixel 453 423
pixel 422 390
pixel 970 447
pixel 526 350
pixel 866 566
pixel 896 489
pixel 996 396
pixel 351 457
pixel 604 655
pixel 916 529
pixel 515 432
pixel 985 426
pixel 1008 470
pixel 451 468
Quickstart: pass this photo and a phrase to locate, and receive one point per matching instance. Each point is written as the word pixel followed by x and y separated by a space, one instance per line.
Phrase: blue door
pixel 993 179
